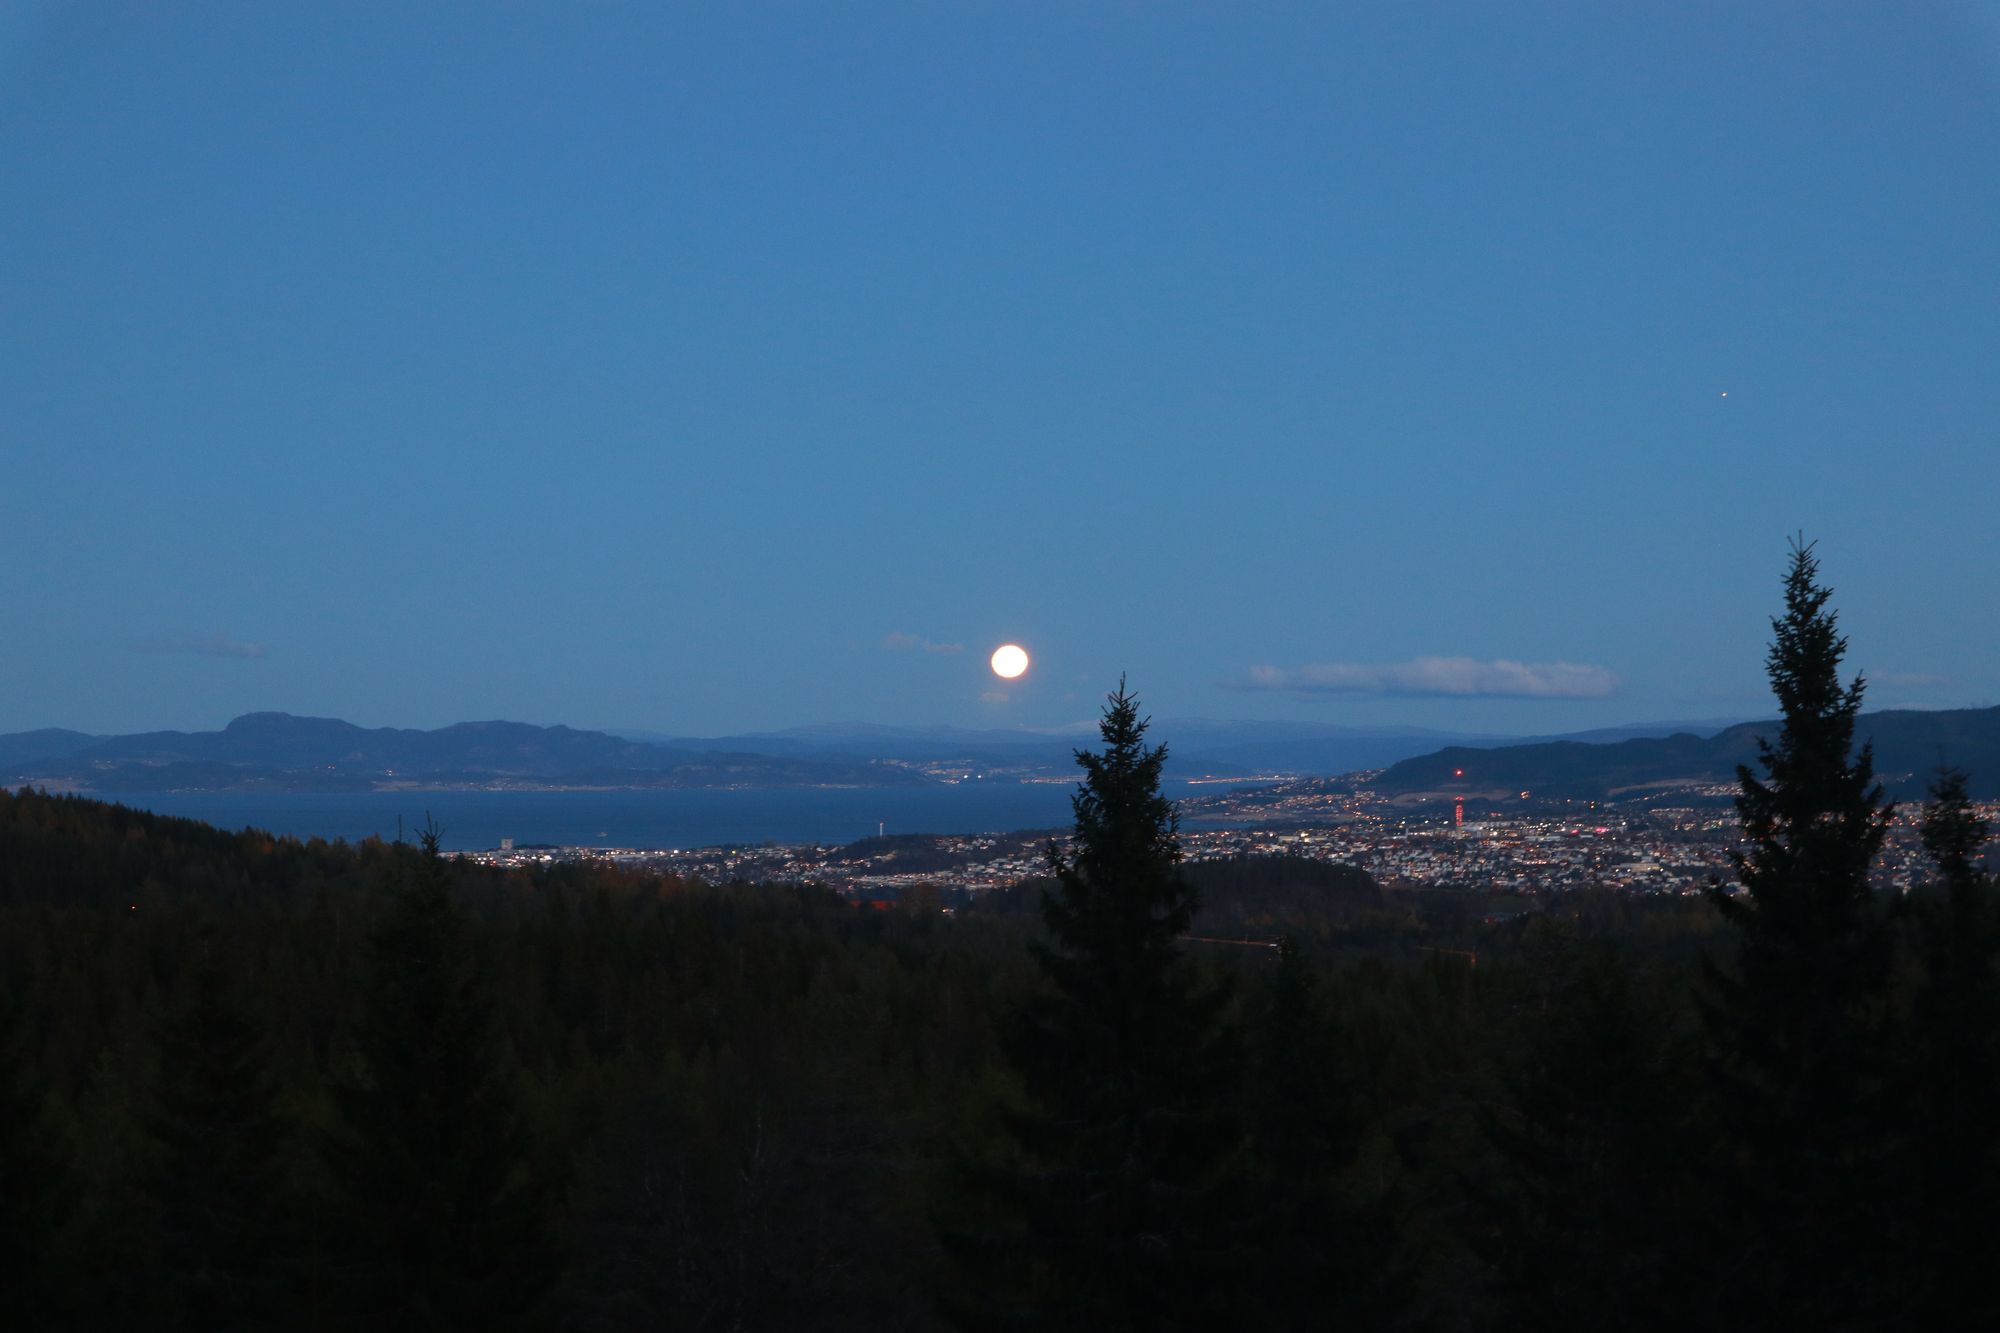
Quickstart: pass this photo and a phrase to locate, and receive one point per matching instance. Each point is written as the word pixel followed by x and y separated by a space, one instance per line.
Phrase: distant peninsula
pixel 278 752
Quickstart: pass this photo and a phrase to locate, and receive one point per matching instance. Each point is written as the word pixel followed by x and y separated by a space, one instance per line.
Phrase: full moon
pixel 1009 660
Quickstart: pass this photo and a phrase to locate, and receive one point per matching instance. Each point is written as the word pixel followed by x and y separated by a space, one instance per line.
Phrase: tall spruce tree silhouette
pixel 224 1217
pixel 444 1221
pixel 1123 1205
pixel 1952 1064
pixel 38 1179
pixel 1321 1246
pixel 1798 1021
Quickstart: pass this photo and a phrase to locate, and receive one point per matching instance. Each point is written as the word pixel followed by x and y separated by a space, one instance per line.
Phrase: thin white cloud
pixel 902 643
pixel 1437 677
pixel 205 645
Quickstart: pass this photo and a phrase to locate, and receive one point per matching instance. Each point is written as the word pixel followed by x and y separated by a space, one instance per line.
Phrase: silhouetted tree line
pixel 254 1083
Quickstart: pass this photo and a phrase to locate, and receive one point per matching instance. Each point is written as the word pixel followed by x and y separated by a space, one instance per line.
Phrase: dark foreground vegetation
pixel 254 1083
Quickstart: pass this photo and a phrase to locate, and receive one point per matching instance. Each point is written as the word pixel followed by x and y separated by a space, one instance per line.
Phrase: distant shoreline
pixel 479 818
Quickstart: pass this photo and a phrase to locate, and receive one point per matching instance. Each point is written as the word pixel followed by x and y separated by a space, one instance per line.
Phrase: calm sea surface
pixel 473 820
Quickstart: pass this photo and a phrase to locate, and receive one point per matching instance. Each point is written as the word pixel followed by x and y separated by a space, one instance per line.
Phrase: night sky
pixel 715 367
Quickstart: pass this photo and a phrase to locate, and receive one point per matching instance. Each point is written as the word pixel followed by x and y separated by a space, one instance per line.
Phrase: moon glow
pixel 1009 660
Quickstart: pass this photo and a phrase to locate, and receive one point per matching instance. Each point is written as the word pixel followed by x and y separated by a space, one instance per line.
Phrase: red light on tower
pixel 1458 772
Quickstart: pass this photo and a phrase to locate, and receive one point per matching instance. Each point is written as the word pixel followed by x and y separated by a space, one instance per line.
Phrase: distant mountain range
pixel 282 752
pixel 1909 746
pixel 1196 747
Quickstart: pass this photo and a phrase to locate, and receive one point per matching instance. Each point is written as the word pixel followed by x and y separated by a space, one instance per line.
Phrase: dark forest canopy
pixel 741 1106
pixel 334 1086
pixel 797 1074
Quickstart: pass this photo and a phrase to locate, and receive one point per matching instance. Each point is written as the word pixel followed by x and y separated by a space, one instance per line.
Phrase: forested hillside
pixel 665 1104
pixel 254 1083
pixel 1908 747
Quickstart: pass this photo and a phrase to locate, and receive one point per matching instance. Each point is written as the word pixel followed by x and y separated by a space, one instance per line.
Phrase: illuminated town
pixel 1637 847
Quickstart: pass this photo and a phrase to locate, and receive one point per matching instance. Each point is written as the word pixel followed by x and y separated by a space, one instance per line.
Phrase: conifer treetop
pixel 1120 890
pixel 1815 819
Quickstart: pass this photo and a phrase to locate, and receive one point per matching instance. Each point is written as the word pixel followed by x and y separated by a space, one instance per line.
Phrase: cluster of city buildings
pixel 1647 848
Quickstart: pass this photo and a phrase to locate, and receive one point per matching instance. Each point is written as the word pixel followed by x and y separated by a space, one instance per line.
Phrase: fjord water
pixel 474 820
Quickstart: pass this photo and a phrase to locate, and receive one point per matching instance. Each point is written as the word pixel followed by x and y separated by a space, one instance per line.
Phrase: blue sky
pixel 705 367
